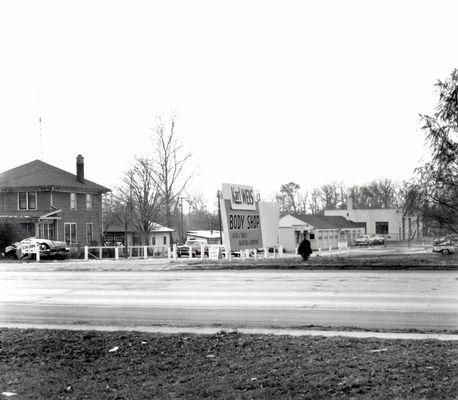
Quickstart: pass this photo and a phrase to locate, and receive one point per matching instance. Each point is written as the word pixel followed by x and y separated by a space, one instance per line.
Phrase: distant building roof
pixel 131 228
pixel 328 222
pixel 38 174
pixel 214 234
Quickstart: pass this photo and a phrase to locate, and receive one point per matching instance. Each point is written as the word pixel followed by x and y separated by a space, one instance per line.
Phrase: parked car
pixel 364 240
pixel 196 247
pixel 378 239
pixel 444 245
pixel 26 249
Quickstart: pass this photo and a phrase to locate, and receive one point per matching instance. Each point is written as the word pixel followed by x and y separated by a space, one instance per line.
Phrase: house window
pixel 47 230
pixel 312 236
pixel 381 228
pixel 27 200
pixel 70 232
pixel 89 202
pixel 72 201
pixel 119 237
pixel 153 240
pixel 164 239
pixel 31 200
pixel 89 232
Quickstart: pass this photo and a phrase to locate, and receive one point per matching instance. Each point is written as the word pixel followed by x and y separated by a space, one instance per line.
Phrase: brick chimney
pixel 349 203
pixel 80 168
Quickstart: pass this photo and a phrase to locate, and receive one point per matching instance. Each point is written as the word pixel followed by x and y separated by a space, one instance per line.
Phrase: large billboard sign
pixel 242 197
pixel 240 218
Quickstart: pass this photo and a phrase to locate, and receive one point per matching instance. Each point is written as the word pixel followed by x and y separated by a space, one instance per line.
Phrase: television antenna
pixel 41 138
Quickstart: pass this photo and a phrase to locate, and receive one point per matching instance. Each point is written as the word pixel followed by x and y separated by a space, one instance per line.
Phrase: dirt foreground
pixel 52 364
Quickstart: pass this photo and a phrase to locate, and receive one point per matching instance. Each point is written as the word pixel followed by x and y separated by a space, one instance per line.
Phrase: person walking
pixel 305 249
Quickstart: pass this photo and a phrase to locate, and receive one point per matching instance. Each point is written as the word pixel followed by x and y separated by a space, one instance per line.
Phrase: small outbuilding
pixel 210 237
pixel 324 232
pixel 116 234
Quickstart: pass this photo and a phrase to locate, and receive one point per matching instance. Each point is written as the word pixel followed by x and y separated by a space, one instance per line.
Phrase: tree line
pixel 381 193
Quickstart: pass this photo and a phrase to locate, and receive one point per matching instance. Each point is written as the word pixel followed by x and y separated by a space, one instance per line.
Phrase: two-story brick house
pixel 51 203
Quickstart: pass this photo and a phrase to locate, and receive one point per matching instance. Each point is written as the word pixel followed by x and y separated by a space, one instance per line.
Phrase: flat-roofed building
pixel 392 223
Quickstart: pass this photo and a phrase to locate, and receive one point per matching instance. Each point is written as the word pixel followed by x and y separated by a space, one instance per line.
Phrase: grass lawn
pixel 48 364
pixel 352 262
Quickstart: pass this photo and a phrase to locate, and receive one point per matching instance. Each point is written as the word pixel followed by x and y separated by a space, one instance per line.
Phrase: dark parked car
pixel 27 248
pixel 364 240
pixel 444 245
pixel 196 248
pixel 378 239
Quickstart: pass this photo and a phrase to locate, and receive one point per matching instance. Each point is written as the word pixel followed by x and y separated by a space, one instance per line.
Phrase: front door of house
pixel 47 230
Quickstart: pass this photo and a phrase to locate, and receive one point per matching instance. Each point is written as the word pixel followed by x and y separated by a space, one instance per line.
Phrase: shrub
pixel 10 233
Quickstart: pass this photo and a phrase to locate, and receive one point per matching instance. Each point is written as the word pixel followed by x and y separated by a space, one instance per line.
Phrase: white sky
pixel 265 92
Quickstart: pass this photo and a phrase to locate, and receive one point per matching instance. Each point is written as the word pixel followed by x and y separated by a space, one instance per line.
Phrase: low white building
pixel 324 232
pixel 210 237
pixel 160 236
pixel 392 223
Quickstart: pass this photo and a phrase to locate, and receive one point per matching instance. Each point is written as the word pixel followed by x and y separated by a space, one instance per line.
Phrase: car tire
pixel 445 251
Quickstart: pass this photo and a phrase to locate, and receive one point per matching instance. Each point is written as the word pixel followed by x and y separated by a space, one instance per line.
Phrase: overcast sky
pixel 264 92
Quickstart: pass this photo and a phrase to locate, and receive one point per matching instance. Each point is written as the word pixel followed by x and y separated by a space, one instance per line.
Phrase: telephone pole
pixel 218 196
pixel 182 220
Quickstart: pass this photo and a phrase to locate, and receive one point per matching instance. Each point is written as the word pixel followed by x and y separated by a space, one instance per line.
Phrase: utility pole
pixel 182 220
pixel 218 196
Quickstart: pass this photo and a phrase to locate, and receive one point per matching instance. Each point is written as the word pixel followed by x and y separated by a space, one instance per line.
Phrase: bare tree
pixel 168 164
pixel 288 197
pixel 302 198
pixel 382 193
pixel 329 195
pixel 315 201
pixel 198 215
pixel 142 194
pixel 136 202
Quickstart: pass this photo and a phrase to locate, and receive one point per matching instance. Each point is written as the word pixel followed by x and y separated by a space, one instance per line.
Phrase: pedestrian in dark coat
pixel 305 249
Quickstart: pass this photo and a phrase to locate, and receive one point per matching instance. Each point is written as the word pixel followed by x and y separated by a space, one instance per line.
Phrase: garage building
pixel 322 231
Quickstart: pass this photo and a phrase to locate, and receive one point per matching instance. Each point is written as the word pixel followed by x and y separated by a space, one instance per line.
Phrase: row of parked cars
pixel 197 246
pixel 369 240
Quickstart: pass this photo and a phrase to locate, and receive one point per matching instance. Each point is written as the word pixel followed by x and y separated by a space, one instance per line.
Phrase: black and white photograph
pixel 228 199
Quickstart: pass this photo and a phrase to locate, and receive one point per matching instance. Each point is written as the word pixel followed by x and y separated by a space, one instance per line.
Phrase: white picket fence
pixel 132 251
pixel 97 252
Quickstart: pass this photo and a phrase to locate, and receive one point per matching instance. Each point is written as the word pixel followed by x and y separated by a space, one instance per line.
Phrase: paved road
pixel 373 299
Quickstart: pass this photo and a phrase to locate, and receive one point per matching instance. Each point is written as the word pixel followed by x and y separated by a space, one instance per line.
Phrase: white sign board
pixel 214 253
pixel 29 248
pixel 269 213
pixel 242 197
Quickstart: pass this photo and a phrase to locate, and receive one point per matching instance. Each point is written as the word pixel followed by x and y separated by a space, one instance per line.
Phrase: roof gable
pixel 37 173
pixel 156 228
pixel 327 222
